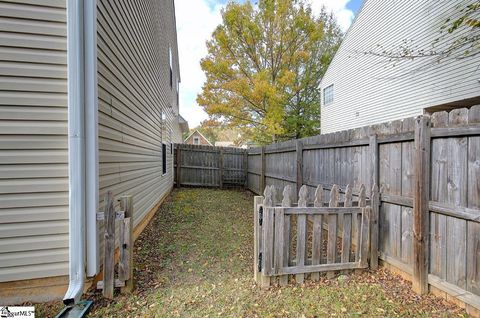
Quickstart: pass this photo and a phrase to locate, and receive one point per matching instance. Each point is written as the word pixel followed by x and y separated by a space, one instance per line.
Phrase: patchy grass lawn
pixel 195 260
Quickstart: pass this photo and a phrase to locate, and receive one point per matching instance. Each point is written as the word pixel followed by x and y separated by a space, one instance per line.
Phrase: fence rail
pixel 210 166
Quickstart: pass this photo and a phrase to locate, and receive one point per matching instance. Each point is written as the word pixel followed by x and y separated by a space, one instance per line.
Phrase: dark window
pixel 171 148
pixel 164 158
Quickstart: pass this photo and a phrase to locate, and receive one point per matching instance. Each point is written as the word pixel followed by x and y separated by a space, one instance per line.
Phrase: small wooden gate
pixel 310 238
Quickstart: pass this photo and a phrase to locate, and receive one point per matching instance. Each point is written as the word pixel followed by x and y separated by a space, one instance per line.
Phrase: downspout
pixel 76 150
pixel 91 135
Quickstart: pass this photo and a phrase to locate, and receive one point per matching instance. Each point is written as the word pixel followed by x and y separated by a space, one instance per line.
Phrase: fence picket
pixel 365 236
pixel 332 230
pixel 347 226
pixel 362 202
pixel 301 233
pixel 265 237
pixel 284 222
pixel 317 232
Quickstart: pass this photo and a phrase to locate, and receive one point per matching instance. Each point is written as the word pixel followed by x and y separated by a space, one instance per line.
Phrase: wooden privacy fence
pixel 125 243
pixel 428 172
pixel 209 166
pixel 310 238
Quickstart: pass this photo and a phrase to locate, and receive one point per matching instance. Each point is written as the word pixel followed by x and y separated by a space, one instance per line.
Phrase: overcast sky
pixel 196 20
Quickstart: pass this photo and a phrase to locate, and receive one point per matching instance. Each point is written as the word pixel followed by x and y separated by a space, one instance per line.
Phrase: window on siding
pixel 164 158
pixel 196 141
pixel 328 95
pixel 170 59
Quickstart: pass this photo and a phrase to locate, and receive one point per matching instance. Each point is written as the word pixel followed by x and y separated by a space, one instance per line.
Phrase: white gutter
pixel 76 150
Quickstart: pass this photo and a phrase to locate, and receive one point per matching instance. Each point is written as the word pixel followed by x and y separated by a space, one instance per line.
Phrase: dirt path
pixel 195 260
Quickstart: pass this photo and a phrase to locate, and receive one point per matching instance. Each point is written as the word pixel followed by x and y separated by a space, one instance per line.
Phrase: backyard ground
pixel 195 260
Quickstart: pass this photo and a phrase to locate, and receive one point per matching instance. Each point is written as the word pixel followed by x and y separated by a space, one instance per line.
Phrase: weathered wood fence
pixel 208 166
pixel 125 241
pixel 428 171
pixel 310 237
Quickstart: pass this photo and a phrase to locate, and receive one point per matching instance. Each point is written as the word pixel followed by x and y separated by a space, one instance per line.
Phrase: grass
pixel 195 260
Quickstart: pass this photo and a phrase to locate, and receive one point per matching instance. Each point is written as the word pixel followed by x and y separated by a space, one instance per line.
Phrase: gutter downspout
pixel 76 150
pixel 91 135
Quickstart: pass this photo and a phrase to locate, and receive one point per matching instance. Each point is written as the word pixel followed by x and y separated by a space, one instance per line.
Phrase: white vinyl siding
pixel 370 89
pixel 33 140
pixel 134 92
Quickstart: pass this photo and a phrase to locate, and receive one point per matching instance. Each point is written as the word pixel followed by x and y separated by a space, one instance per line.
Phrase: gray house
pixel 367 84
pixel 88 103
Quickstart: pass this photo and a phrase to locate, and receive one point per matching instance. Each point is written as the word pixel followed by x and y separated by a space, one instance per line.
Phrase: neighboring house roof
pixel 183 124
pixel 196 131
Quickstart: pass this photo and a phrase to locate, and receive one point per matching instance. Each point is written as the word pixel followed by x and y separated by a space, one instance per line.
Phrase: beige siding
pixel 33 140
pixel 134 90
pixel 369 89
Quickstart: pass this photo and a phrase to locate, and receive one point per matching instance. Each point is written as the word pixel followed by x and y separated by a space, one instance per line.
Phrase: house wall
pixel 369 89
pixel 33 140
pixel 134 90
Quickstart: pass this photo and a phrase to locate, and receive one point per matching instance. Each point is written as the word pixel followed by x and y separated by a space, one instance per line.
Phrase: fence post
pixel 299 159
pixel 221 167
pixel 262 171
pixel 375 201
pixel 421 196
pixel 178 158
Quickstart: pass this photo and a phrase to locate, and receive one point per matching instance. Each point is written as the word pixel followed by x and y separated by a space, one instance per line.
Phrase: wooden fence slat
pixel 332 230
pixel 317 237
pixel 286 235
pixel 438 193
pixel 262 169
pixel 122 261
pixel 457 171
pixel 267 237
pixel 301 233
pixel 126 204
pixel 361 203
pixel 178 151
pixel 257 235
pixel 299 164
pixel 365 241
pixel 220 165
pixel 347 227
pixel 109 245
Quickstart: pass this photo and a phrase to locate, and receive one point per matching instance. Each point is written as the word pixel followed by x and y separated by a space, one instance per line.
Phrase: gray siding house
pixel 365 84
pixel 88 103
